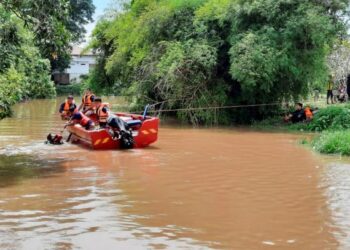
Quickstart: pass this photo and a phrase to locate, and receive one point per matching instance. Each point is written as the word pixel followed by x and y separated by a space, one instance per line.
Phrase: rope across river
pixel 205 108
pixel 215 107
pixel 236 106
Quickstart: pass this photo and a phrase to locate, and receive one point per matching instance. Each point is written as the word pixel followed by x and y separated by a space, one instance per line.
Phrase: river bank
pixel 330 126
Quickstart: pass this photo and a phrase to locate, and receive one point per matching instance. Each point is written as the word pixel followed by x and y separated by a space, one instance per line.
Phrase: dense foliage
pixel 55 24
pixel 35 38
pixel 23 72
pixel 71 89
pixel 216 52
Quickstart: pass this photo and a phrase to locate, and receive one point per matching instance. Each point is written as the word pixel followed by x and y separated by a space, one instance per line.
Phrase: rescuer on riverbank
pixel 297 116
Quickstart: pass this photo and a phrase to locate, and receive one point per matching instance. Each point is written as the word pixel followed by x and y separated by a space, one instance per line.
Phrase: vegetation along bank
pixel 330 124
pixel 205 53
pixel 35 39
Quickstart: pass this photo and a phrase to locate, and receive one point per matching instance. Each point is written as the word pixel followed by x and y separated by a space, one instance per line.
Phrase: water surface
pixel 194 189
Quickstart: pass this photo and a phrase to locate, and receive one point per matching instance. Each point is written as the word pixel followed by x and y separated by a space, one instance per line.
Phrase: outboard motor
pixel 126 140
pixel 56 139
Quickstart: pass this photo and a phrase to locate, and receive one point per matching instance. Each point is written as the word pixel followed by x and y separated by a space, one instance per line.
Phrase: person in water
pixel 54 139
pixel 86 101
pixel 298 115
pixel 66 106
pixel 79 117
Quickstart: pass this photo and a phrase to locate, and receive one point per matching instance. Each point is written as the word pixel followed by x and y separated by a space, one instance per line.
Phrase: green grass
pixel 333 142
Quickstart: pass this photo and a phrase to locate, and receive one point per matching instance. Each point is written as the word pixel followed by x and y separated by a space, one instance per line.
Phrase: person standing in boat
pixel 86 101
pixel 66 106
pixel 101 111
pixel 79 117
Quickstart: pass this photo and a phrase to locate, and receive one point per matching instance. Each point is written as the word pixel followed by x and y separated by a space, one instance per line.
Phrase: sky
pixel 101 6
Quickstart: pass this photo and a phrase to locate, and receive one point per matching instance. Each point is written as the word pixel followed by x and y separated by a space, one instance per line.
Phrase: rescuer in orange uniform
pixel 308 113
pixel 101 111
pixel 66 106
pixel 79 118
pixel 86 101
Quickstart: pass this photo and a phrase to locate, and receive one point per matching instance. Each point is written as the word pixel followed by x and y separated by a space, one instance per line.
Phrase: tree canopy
pixel 55 24
pixel 217 52
pixel 33 34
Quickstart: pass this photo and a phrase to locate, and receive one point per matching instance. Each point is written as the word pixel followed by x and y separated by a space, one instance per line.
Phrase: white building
pixel 81 64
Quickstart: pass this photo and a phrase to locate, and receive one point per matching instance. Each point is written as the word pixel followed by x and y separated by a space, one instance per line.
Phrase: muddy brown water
pixel 193 189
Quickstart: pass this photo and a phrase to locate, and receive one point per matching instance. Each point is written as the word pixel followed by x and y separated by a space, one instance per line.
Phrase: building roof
pixel 77 51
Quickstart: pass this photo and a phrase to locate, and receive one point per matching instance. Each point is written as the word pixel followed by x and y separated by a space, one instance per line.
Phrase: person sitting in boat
pixel 86 101
pixel 79 117
pixel 66 106
pixel 297 116
pixel 101 111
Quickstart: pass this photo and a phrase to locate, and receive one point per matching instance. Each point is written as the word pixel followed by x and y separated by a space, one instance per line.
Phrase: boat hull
pixel 144 134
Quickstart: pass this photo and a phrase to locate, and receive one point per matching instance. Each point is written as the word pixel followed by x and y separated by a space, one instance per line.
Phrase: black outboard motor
pixel 126 140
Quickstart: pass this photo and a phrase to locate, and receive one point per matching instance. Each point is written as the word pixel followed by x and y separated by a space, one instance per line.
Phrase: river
pixel 193 189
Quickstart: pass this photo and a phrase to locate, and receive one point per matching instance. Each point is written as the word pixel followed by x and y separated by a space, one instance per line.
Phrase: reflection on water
pixel 194 189
pixel 14 168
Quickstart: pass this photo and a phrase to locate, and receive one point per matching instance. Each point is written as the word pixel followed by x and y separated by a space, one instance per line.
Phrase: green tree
pixel 216 52
pixel 23 72
pixel 55 24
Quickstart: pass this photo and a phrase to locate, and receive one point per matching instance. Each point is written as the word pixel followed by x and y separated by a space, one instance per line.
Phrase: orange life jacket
pixel 87 101
pixel 67 106
pixel 66 114
pixel 308 113
pixel 102 116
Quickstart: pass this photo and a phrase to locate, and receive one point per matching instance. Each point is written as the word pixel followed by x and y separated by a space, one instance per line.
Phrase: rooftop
pixel 77 51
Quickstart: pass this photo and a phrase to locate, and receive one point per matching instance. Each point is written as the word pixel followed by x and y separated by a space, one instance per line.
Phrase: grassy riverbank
pixel 331 126
pixel 333 142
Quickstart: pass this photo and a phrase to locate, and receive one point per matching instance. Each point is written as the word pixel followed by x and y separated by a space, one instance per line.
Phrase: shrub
pixel 256 51
pixel 23 72
pixel 72 89
pixel 330 118
pixel 333 142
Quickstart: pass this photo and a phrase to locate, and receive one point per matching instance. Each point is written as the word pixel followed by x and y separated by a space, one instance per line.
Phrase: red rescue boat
pixel 144 131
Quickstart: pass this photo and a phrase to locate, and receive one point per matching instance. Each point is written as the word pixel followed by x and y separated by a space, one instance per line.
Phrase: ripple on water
pixel 337 180
pixel 195 189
